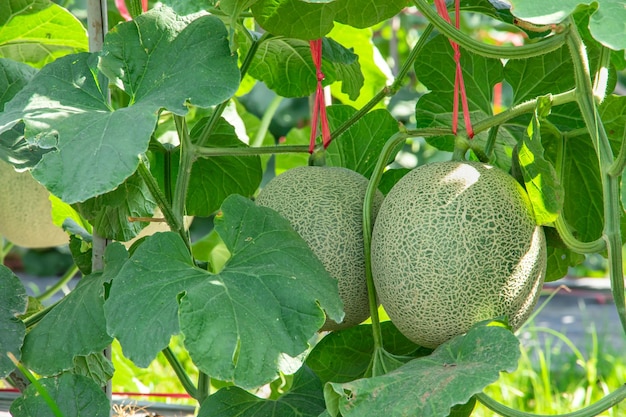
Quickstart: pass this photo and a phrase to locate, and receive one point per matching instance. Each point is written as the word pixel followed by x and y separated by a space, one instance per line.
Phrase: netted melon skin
pixel 25 211
pixel 325 206
pixel 455 244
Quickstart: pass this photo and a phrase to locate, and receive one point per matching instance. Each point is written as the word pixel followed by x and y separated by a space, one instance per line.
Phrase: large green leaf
pixel 607 24
pixel 305 398
pixel 294 18
pixel 431 385
pixel 313 19
pixel 215 178
pixel 363 14
pixel 13 302
pixel 540 178
pixel 75 395
pixel 37 32
pixel 155 60
pixel 240 325
pixel 358 148
pixel 583 205
pixel 346 355
pixel 109 213
pixel 435 69
pixel 52 345
pixel 550 73
pixel 285 65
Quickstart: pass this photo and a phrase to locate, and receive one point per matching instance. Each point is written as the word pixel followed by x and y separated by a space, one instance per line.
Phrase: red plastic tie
pixel 459 84
pixel 319 105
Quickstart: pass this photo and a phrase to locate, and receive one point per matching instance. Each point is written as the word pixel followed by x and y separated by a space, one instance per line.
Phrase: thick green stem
pixel 172 220
pixel 499 52
pixel 187 158
pixel 610 184
pixel 620 162
pixel 204 385
pixel 595 409
pixel 522 108
pixel 384 156
pixel 30 321
pixel 180 372
pixel 207 152
pixel 67 277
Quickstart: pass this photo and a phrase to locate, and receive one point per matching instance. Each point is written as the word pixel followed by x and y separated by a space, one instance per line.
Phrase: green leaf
pixel 304 399
pixel 52 345
pixel 358 148
pixel 540 178
pixel 13 302
pixel 436 69
pixel 75 395
pixel 109 213
pixel 346 355
pixel 13 77
pixel 550 73
pixel 240 325
pixel 64 107
pixel 607 25
pixel 37 32
pixel 376 73
pixel 185 7
pixel 430 386
pixel 583 204
pixel 366 13
pixel 279 59
pixel 560 258
pixel 154 59
pixel 95 366
pixel 215 178
pixel 390 178
pixel 294 18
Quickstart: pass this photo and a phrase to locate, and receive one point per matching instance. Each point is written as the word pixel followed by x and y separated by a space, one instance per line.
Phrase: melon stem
pixel 610 182
pixel 372 186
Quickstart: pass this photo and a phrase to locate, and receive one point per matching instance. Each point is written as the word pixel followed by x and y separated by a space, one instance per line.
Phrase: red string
pixel 319 106
pixel 459 84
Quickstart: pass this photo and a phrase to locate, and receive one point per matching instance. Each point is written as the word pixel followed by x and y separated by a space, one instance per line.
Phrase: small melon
pixel 325 206
pixel 456 243
pixel 26 211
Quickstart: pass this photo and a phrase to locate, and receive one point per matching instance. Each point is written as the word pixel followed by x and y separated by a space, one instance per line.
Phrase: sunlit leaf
pixel 240 325
pixel 37 32
pixel 430 386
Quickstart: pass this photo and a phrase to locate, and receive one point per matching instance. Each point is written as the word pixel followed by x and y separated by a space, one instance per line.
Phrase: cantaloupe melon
pixel 456 243
pixel 25 211
pixel 325 206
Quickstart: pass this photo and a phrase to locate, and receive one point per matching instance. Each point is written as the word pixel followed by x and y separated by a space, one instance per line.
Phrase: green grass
pixel 556 377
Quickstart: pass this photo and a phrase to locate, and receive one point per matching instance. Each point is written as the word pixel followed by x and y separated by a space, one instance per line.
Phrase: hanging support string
pixel 319 105
pixel 459 85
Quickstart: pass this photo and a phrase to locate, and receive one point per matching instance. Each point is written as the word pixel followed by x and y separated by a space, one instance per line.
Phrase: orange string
pixel 459 84
pixel 319 105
